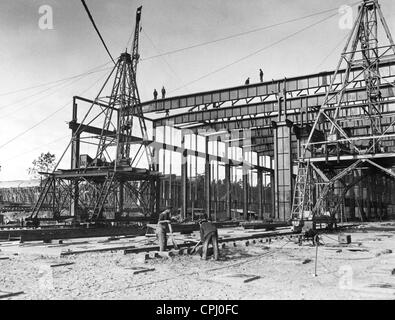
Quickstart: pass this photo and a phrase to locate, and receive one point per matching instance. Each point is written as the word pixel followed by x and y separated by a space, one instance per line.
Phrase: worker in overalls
pixel 209 234
pixel 161 229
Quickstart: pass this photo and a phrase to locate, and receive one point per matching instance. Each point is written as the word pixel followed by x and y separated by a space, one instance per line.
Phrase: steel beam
pixel 260 193
pixel 207 180
pixel 257 90
pixel 228 198
pixel 254 118
pixel 184 180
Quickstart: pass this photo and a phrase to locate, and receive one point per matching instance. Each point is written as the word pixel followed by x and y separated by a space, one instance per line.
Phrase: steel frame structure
pixel 107 179
pixel 351 150
pixel 284 118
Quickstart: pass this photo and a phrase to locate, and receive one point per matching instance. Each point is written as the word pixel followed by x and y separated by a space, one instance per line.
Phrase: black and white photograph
pixel 197 153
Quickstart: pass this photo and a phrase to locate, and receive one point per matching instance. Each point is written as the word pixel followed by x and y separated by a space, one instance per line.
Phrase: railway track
pixel 258 236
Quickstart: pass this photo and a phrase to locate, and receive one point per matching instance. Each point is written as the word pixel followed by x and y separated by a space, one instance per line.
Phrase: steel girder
pixel 249 94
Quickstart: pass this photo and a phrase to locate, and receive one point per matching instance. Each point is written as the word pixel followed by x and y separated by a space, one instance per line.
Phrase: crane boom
pixel 135 48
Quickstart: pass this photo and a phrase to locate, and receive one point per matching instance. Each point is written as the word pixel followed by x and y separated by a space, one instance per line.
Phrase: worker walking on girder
pixel 161 229
pixel 208 234
pixel 261 75
pixel 155 94
pixel 163 92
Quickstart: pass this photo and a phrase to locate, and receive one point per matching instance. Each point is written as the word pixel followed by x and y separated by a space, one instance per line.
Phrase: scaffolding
pixel 330 151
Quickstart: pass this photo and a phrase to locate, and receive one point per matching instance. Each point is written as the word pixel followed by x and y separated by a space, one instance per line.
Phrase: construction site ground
pixel 280 269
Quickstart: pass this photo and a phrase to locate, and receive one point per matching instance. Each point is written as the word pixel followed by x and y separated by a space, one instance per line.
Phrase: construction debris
pixel 237 278
pixel 138 270
pixel 61 264
pixel 386 251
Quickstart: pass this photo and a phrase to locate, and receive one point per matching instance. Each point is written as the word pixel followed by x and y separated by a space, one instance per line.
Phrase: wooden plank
pixel 70 233
pixel 70 252
pixel 137 270
pixel 153 248
pixel 262 225
pixel 61 264
pixel 252 279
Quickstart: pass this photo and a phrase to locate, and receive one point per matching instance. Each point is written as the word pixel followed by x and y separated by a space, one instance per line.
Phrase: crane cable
pixel 253 53
pixel 242 33
pixel 45 118
pixel 45 84
pixel 97 30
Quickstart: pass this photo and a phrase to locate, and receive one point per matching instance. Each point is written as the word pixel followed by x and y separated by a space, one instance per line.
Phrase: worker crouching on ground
pixel 209 234
pixel 161 229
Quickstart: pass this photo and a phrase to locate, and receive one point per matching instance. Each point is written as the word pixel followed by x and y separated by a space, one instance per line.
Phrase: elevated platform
pixel 342 161
pixel 125 173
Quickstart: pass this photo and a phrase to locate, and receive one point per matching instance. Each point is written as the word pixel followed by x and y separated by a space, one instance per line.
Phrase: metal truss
pixel 109 179
pixel 361 51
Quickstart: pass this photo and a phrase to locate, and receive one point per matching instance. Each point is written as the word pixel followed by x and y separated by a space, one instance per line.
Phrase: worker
pixel 208 234
pixel 261 75
pixel 163 92
pixel 155 94
pixel 161 229
pixel 247 81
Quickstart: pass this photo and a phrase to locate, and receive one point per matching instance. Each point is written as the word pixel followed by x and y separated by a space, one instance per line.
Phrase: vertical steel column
pixel 273 193
pixel 352 198
pixel 195 196
pixel 184 178
pixel 369 197
pixel 165 195
pixel 171 200
pixel 120 192
pixel 207 180
pixel 55 213
pixel 228 198
pixel 155 185
pixel 282 169
pixel 75 161
pixel 214 190
pixel 260 189
pixel 245 186
pixel 190 185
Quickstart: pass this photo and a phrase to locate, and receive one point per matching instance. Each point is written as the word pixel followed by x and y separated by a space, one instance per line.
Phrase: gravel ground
pixel 286 271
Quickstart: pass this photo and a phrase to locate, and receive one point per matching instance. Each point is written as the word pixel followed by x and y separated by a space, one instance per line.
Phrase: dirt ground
pixel 282 269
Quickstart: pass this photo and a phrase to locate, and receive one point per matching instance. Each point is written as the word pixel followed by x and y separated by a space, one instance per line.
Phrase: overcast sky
pixel 30 56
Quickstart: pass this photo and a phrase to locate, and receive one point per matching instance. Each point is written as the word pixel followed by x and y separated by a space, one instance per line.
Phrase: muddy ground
pixel 282 269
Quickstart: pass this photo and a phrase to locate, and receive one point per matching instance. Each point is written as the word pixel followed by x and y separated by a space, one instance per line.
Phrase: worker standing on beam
pixel 155 94
pixel 247 81
pixel 208 234
pixel 261 75
pixel 161 229
pixel 163 92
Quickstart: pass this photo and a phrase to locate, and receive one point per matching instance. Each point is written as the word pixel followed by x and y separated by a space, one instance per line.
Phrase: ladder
pixel 301 192
pixel 99 206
